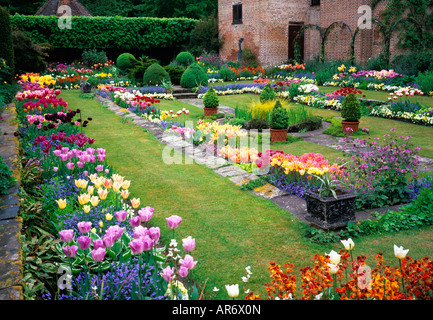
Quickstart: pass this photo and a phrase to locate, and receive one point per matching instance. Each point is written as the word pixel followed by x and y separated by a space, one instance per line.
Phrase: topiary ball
pixel 194 76
pixel 184 58
pixel 279 118
pixel 125 61
pixel 155 74
pixel 210 99
pixel 351 108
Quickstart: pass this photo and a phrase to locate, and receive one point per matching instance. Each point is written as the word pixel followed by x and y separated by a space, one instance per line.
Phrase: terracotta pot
pixel 278 134
pixel 328 212
pixel 210 111
pixel 350 124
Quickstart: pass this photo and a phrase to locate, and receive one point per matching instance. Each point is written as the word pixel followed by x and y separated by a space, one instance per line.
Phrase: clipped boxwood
pixel 279 118
pixel 210 99
pixel 175 73
pixel 155 74
pixel 351 108
pixel 126 61
pixel 184 58
pixel 194 76
pixel 267 93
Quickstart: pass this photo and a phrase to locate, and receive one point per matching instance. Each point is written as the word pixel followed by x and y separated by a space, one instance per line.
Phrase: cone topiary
pixel 155 74
pixel 351 108
pixel 267 93
pixel 210 99
pixel 279 118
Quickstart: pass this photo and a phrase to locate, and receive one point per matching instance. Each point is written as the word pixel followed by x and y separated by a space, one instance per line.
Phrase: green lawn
pixel 232 228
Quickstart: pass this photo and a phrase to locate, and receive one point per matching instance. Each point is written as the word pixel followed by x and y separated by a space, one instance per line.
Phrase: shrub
pixel 93 56
pixel 194 76
pixel 210 99
pixel 262 110
pixel 267 93
pixel 155 74
pixel 227 74
pixel 126 61
pixel 136 73
pixel 425 81
pixel 279 119
pixel 249 58
pixel 351 108
pixel 184 58
pixel 175 73
pixel 205 35
pixel 7 46
pixel 6 177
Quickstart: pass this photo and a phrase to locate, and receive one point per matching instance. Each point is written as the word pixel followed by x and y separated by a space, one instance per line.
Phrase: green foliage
pixel 194 76
pixel 184 58
pixel 108 32
pixel 93 56
pixel 29 56
pixel 175 73
pixel 6 40
pixel 351 108
pixel 155 75
pixel 126 61
pixel 249 58
pixel 227 74
pixel 307 123
pixel 136 73
pixel 279 119
pixel 6 178
pixel 425 81
pixel 267 93
pixel 210 99
pixel 204 37
pixel 336 129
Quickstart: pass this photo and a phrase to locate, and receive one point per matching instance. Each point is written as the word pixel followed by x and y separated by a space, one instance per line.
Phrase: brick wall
pixel 265 28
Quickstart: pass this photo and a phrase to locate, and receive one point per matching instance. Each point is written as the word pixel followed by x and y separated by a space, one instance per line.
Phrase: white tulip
pixel 348 244
pixel 334 257
pixel 399 252
pixel 232 290
pixel 333 268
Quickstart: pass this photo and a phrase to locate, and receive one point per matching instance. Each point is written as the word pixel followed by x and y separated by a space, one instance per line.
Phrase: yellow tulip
pixel 102 193
pixel 116 186
pixel 81 183
pixel 135 202
pixel 101 224
pixel 124 194
pixel 61 203
pixel 108 217
pixel 108 183
pixel 125 184
pixel 83 198
pixel 90 189
pixel 94 201
pixel 86 208
pixel 93 230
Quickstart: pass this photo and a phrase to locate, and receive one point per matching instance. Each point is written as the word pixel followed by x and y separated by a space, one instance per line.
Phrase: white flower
pixel 232 290
pixel 399 252
pixel 333 268
pixel 348 244
pixel 215 289
pixel 334 257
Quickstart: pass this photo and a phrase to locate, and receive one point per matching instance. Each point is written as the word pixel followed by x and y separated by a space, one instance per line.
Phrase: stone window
pixel 315 2
pixel 237 13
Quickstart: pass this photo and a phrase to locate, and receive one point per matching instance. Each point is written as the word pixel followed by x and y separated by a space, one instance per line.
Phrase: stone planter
pixel 350 124
pixel 278 134
pixel 210 111
pixel 328 212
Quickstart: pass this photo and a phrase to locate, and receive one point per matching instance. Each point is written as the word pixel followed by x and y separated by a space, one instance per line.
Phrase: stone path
pixel 10 224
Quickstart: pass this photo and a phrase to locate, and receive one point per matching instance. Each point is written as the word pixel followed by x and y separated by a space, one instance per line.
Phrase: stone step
pixel 186 95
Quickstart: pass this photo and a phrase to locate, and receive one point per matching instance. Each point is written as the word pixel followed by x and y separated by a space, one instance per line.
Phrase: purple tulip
pixel 145 214
pixel 84 226
pixel 109 240
pixel 97 244
pixel 70 251
pixel 116 231
pixel 139 232
pixel 84 242
pixel 135 221
pixel 173 221
pixel 147 243
pixel 66 235
pixel 154 233
pixel 188 244
pixel 136 246
pixel 121 215
pixel 98 254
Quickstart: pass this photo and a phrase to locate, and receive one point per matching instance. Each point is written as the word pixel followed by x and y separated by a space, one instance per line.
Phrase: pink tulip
pixel 97 244
pixel 188 244
pixel 139 232
pixel 66 235
pixel 98 254
pixel 183 271
pixel 147 243
pixel 173 221
pixel 84 242
pixel 188 262
pixel 108 240
pixel 84 226
pixel 116 231
pixel 167 274
pixel 121 215
pixel 70 251
pixel 136 246
pixel 154 233
pixel 70 165
pixel 145 215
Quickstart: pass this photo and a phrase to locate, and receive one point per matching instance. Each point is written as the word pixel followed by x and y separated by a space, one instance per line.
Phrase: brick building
pixel 269 27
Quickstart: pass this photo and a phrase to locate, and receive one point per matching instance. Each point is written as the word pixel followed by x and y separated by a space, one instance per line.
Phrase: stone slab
pixel 230 171
pixel 10 253
pixel 243 178
pixel 268 191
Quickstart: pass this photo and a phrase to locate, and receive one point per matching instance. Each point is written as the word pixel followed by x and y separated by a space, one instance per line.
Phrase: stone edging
pixel 11 273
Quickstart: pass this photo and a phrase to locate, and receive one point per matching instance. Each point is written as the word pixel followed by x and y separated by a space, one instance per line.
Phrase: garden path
pixel 10 224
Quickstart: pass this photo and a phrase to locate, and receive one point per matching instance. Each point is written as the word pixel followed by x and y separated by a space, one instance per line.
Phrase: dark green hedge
pixel 6 42
pixel 107 32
